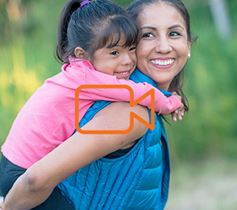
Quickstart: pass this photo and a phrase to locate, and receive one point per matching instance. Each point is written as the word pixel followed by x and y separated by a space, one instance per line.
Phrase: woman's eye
pixel 115 52
pixel 147 35
pixel 174 34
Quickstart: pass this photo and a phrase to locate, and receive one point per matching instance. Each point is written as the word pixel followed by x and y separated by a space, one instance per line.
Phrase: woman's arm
pixel 36 184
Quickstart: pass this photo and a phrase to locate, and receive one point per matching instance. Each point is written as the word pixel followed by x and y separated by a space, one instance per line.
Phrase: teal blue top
pixel 138 180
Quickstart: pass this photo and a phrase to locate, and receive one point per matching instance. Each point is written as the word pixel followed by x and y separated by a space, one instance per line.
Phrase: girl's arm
pixel 36 184
pixel 163 104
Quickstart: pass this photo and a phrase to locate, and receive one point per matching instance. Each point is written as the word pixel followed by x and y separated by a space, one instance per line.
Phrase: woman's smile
pixel 163 63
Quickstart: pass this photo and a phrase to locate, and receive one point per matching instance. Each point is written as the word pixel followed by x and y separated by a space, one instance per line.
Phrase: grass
pixel 209 185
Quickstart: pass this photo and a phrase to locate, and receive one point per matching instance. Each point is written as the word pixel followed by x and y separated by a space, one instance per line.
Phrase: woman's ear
pixel 79 52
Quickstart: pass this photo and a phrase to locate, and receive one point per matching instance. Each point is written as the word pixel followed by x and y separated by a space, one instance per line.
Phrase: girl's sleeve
pixel 163 104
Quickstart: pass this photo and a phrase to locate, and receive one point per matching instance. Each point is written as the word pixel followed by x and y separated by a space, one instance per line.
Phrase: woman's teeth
pixel 163 62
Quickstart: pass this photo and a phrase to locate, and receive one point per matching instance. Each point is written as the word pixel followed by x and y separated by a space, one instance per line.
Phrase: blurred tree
pixel 221 17
pixel 13 18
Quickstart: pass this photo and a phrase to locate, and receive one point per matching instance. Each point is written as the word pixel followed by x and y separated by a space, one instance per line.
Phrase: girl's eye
pixel 174 34
pixel 132 48
pixel 148 35
pixel 115 52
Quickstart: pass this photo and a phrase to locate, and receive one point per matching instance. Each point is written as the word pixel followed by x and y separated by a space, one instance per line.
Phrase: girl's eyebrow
pixel 148 27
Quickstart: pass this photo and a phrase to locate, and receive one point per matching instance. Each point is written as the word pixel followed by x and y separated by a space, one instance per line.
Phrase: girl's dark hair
pixel 136 8
pixel 98 24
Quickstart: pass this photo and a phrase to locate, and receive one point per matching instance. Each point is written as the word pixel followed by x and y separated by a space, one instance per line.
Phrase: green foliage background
pixel 27 58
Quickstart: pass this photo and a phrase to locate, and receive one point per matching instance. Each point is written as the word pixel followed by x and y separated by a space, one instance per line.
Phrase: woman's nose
pixel 163 45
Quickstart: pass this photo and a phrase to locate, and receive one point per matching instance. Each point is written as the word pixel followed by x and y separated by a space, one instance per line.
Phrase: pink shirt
pixel 47 118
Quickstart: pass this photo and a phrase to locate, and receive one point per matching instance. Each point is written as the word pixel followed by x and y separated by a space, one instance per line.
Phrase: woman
pixel 136 176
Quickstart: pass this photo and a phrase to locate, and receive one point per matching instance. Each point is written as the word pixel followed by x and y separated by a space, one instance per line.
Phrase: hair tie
pixel 84 3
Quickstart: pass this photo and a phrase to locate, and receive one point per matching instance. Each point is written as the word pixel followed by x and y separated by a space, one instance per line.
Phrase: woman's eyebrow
pixel 176 26
pixel 171 27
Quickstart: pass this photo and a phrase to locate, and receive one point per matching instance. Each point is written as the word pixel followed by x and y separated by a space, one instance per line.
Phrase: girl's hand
pixel 178 114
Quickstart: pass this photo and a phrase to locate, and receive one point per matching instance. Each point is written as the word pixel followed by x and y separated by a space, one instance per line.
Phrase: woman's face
pixel 164 47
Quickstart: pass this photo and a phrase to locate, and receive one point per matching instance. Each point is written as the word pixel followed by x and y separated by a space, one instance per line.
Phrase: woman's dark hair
pixel 98 24
pixel 137 6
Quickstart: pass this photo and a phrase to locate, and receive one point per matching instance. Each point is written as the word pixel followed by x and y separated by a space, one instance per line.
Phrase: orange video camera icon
pixel 133 115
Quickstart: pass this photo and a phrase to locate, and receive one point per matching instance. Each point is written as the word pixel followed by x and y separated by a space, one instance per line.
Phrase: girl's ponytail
pixel 62 38
pixel 92 25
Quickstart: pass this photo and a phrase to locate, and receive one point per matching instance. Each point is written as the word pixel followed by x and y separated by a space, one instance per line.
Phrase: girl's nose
pixel 127 59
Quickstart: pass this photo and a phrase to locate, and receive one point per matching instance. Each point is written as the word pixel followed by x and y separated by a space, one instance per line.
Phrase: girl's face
pixel 119 61
pixel 163 48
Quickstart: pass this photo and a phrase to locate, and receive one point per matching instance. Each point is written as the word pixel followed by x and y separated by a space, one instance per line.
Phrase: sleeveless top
pixel 138 180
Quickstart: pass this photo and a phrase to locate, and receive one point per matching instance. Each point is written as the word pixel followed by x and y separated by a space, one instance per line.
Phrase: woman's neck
pixel 164 86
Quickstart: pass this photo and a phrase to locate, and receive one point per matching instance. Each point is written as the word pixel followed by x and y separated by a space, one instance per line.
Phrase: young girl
pixel 97 43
